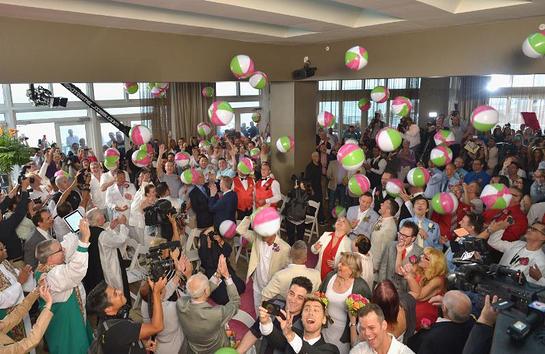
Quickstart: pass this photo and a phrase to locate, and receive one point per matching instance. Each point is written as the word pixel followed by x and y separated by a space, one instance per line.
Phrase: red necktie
pixel 403 254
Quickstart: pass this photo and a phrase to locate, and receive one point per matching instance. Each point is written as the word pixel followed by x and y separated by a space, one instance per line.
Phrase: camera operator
pixel 296 211
pixel 525 256
pixel 8 225
pixel 295 296
pixel 211 247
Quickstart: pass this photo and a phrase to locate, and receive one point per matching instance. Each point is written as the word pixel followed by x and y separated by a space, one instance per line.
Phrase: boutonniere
pixel 378 226
pixel 275 247
pixel 413 259
pixel 365 218
pixel 431 226
pixel 523 261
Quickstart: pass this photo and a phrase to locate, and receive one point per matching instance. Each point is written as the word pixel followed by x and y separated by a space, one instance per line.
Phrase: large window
pixel 243 98
pixel 109 91
pixel 37 131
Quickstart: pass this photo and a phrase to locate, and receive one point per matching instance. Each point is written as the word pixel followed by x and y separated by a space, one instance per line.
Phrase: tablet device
pixel 72 220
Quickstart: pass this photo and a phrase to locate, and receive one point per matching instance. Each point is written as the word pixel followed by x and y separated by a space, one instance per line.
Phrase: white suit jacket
pixel 345 246
pixel 115 199
pixel 280 281
pixel 108 242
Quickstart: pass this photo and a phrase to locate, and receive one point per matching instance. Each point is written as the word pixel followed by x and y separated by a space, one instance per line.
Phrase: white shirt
pixel 114 198
pixel 262 275
pixel 396 347
pixel 296 343
pixel 275 188
pixel 13 295
pixel 98 197
pixel 108 242
pixel 44 233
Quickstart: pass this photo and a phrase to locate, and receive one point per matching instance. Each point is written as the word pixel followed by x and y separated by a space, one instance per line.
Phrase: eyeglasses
pixel 400 235
pixel 537 230
pixel 59 250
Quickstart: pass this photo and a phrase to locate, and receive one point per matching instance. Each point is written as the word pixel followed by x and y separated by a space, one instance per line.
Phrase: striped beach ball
pixel 364 104
pixel 141 158
pixel 284 144
pixel 266 221
pixel 496 196
pixel 190 176
pixel 380 94
pixel 394 187
pixel 61 173
pixel 326 119
pixel 182 159
pixel 259 80
pixel 484 118
pixel 228 229
pixel 534 45
pixel 388 139
pixel 444 203
pixel 215 140
pixel 140 134
pixel 111 156
pixel 441 155
pixel 242 66
pixel 203 129
pixel 256 117
pixel 208 91
pixel 444 136
pixel 358 184
pixel 338 211
pixel 418 176
pixel 148 148
pixel 356 58
pixel 351 141
pixel 401 106
pixel 131 87
pixel 221 113
pixel 351 157
pixel 254 153
pixel 245 166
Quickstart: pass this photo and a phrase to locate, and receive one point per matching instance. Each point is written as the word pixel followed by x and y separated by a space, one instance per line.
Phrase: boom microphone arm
pixel 96 107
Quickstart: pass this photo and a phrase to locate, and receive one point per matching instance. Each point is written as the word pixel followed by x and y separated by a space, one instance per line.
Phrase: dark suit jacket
pixel 199 204
pixel 480 339
pixel 442 337
pixel 360 287
pixel 320 347
pixel 29 249
pixel 224 208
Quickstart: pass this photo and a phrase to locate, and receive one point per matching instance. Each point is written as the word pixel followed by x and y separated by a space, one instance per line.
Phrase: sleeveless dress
pixel 65 333
pixel 337 311
pixel 426 311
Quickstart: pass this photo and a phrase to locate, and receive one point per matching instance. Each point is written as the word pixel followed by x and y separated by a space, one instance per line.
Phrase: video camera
pixel 467 245
pixel 158 213
pixel 521 305
pixel 157 265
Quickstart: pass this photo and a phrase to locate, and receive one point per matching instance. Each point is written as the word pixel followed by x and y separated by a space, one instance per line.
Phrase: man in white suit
pixel 269 255
pixel 280 282
pixel 120 195
pixel 362 217
pixel 384 232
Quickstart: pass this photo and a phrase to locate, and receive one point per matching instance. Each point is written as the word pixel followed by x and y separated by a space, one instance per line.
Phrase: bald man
pixel 448 335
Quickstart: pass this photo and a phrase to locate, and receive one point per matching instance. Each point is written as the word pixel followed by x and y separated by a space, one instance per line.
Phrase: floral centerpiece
pixel 12 150
pixel 355 302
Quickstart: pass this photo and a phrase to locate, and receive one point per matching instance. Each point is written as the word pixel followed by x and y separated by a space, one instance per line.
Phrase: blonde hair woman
pixel 426 279
pixel 330 246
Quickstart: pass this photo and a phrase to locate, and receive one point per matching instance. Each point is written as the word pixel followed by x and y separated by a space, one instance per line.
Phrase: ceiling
pixel 274 21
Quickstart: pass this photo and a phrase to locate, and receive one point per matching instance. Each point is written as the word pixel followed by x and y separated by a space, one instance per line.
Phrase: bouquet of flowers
pixel 355 302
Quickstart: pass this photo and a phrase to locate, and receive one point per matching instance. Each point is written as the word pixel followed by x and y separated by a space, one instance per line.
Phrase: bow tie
pixel 243 178
pixel 264 178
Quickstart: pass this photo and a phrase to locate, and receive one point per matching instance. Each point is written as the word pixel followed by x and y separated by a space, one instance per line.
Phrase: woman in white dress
pixel 337 286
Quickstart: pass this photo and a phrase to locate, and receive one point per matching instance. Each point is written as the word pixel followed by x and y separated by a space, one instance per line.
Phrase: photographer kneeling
pixel 211 247
pixel 296 210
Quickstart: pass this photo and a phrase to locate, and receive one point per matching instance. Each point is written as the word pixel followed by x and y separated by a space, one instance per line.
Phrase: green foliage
pixel 12 152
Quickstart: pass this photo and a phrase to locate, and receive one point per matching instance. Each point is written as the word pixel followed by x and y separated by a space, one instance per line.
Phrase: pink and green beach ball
pixel 338 211
pixel 182 159
pixel 401 106
pixel 140 134
pixel 131 87
pixel 418 177
pixel 441 155
pixel 284 144
pixel 190 176
pixel 266 221
pixel 242 66
pixel 203 129
pixel 245 166
pixel 534 45
pixel 364 104
pixel 358 184
pixel 380 94
pixel 444 203
pixel 221 113
pixel 356 58
pixel 111 156
pixel 444 136
pixel 326 119
pixel 484 118
pixel 258 80
pixel 351 157
pixel 61 173
pixel 388 139
pixel 228 229
pixel 496 196
pixel 141 158
pixel 254 153
pixel 394 187
pixel 208 91
pixel 256 117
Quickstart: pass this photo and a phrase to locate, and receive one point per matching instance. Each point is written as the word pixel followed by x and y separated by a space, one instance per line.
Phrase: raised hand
pixel 84 230
pixel 45 294
pixel 24 274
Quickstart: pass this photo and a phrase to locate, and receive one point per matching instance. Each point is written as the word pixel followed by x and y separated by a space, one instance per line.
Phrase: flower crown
pixel 320 296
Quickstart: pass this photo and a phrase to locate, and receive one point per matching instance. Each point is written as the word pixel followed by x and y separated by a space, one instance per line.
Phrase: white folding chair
pixel 312 220
pixel 191 249
pixel 285 200
pixel 239 249
pixel 136 272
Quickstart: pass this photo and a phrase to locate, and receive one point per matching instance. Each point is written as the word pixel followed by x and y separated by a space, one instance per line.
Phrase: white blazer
pixel 345 246
pixel 115 199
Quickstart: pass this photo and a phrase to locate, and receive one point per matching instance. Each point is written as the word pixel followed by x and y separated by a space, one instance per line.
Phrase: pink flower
pixel 425 322
pixel 523 261
pixel 413 259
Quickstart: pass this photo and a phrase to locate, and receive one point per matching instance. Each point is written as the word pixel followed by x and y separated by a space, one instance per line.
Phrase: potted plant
pixel 13 151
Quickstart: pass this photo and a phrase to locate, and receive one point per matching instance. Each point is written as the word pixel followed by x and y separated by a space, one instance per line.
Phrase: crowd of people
pixel 396 252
